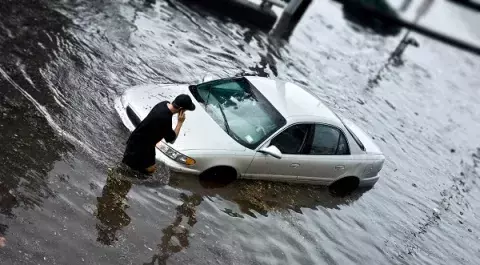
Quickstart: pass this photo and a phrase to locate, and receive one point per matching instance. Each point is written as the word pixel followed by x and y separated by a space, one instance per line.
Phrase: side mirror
pixel 271 150
pixel 207 78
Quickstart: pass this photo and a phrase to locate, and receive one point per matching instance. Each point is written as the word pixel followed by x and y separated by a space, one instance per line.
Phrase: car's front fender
pixel 240 161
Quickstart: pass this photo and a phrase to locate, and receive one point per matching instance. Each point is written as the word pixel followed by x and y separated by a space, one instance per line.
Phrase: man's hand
pixel 181 116
pixel 3 241
pixel 181 119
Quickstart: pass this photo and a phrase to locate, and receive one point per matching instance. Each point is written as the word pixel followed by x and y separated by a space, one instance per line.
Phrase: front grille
pixel 133 117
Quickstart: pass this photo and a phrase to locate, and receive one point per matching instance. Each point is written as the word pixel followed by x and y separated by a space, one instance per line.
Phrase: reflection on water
pixel 359 19
pixel 111 207
pixel 252 197
pixel 395 59
pixel 176 236
pixel 268 60
pixel 265 196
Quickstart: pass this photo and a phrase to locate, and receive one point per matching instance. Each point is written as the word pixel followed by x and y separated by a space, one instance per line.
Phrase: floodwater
pixel 62 64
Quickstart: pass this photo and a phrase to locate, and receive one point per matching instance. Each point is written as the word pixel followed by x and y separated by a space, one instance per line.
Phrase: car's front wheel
pixel 218 176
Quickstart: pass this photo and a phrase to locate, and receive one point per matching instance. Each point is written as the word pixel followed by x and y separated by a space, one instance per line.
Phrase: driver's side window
pixel 292 140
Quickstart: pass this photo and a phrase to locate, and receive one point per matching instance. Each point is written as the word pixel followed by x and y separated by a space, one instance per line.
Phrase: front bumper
pixel 174 165
pixel 368 182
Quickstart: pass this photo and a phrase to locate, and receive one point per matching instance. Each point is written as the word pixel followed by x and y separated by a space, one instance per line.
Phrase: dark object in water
pixel 354 13
pixel 217 177
pixel 238 10
pixel 344 186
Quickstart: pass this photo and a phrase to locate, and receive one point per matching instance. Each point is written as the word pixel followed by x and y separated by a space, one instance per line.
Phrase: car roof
pixel 294 102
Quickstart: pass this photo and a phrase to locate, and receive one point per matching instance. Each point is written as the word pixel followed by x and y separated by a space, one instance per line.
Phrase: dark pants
pixel 139 157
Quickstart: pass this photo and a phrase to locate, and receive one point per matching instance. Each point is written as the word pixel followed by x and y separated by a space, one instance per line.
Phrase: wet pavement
pixel 62 64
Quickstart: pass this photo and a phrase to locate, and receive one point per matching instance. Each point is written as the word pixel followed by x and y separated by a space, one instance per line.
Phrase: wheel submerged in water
pixel 218 177
pixel 344 186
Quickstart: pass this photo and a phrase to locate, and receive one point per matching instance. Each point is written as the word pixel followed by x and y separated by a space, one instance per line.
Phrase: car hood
pixel 199 131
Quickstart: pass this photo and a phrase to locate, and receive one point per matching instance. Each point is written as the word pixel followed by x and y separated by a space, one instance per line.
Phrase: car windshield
pixel 240 109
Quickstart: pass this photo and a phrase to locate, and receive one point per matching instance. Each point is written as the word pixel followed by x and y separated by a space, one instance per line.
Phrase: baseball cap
pixel 184 101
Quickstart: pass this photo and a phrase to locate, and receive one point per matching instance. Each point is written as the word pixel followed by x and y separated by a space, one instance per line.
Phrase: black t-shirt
pixel 140 151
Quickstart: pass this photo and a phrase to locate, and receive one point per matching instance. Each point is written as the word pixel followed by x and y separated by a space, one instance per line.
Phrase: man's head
pixel 183 102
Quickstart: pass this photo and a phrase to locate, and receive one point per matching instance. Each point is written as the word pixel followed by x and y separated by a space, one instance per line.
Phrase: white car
pixel 259 128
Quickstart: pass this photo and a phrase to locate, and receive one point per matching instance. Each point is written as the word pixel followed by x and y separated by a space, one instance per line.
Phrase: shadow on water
pixel 25 135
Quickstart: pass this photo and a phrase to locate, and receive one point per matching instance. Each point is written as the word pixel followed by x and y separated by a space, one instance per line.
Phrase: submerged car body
pixel 261 129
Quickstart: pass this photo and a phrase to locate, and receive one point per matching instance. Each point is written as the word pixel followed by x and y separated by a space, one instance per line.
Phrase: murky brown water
pixel 62 63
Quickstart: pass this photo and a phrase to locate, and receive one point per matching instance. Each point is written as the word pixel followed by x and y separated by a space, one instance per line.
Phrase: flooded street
pixel 63 63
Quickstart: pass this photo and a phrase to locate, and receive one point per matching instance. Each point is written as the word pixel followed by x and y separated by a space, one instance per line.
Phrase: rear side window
pixel 360 144
pixel 342 146
pixel 328 141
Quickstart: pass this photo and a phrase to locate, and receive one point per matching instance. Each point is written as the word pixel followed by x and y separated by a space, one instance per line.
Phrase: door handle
pixel 295 165
pixel 339 167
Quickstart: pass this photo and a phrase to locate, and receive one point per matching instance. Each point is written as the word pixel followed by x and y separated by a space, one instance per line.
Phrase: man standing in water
pixel 140 152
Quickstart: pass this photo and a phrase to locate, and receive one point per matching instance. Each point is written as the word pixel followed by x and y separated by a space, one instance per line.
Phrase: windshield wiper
pixel 227 127
pixel 224 118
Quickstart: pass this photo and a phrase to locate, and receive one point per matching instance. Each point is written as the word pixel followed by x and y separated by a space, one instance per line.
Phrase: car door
pixel 291 143
pixel 326 156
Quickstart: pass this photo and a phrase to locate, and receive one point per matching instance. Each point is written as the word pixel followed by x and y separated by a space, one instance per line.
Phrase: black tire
pixel 344 186
pixel 218 177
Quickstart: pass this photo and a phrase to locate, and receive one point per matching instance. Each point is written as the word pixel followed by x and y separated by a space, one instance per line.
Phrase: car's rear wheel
pixel 218 176
pixel 344 186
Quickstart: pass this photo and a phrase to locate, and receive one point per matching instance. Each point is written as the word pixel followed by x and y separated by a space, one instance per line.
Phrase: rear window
pixel 360 144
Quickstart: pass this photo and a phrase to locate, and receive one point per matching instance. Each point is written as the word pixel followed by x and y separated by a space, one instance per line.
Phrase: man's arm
pixel 177 128
pixel 181 119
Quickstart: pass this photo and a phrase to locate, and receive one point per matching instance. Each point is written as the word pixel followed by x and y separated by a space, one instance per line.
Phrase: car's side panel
pixel 324 169
pixel 266 167
pixel 373 166
pixel 367 170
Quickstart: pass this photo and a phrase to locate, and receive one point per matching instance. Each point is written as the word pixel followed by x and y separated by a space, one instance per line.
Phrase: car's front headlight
pixel 175 155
